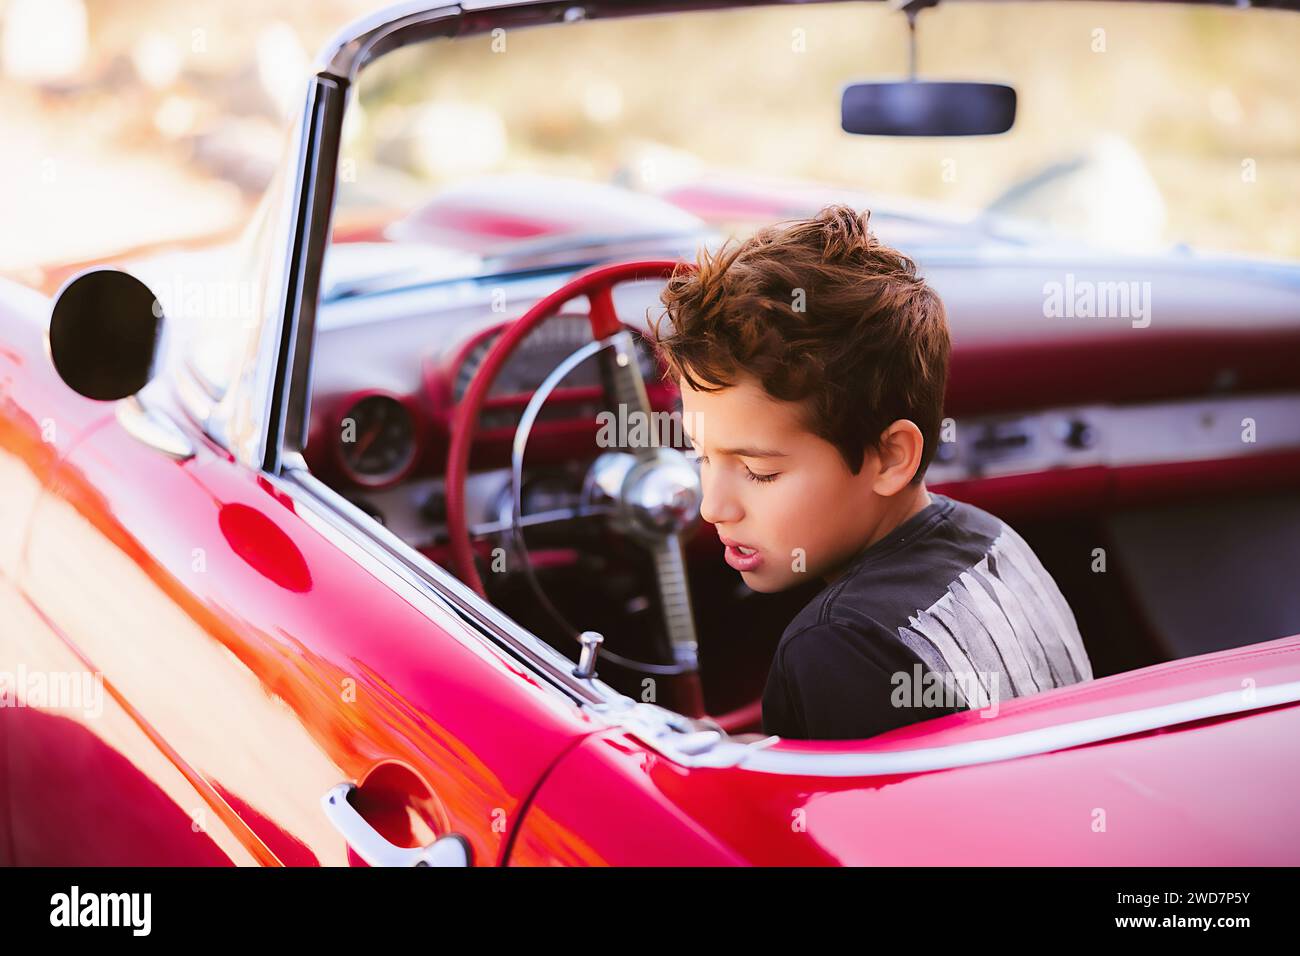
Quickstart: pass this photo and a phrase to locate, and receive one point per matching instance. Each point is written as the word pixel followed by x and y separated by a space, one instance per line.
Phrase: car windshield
pixel 1140 128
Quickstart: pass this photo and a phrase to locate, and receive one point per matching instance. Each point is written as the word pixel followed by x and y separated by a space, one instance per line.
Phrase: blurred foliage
pixel 1197 92
pixel 182 107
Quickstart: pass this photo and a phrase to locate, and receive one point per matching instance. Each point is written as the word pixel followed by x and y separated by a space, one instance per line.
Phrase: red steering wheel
pixel 597 285
pixel 652 493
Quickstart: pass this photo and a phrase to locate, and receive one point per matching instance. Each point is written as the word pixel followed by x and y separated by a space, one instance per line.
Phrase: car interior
pixel 1147 447
pixel 1154 471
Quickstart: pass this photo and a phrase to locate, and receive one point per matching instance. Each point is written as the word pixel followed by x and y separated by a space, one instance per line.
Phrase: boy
pixel 812 361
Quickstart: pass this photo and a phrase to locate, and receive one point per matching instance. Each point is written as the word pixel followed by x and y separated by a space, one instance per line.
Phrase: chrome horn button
pixel 653 497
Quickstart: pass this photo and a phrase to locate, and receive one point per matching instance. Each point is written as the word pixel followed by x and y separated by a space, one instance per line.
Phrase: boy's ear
pixel 901 446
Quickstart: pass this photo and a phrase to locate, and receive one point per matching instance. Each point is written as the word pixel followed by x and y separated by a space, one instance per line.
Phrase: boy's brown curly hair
pixel 820 312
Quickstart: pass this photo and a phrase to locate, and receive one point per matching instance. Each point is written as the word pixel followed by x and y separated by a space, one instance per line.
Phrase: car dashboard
pixel 1060 426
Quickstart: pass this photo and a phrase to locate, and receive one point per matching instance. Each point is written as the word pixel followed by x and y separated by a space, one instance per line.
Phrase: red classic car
pixel 265 594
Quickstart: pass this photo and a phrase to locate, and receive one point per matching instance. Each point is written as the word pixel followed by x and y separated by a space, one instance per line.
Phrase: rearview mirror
pixel 104 332
pixel 923 108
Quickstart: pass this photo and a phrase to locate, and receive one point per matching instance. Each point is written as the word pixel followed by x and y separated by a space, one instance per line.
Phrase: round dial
pixel 377 439
pixel 540 351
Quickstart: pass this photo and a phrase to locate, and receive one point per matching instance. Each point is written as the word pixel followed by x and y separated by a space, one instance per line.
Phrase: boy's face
pixel 809 518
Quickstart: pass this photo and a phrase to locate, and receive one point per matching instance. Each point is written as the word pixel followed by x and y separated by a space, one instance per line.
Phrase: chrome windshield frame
pixel 263 413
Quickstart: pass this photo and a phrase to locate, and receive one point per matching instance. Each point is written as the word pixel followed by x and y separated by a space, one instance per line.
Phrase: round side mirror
pixel 104 333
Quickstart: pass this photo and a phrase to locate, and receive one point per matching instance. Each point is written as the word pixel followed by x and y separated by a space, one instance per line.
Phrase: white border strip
pixel 1043 740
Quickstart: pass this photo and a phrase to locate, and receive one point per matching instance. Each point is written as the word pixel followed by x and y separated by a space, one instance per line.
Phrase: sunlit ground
pixel 126 124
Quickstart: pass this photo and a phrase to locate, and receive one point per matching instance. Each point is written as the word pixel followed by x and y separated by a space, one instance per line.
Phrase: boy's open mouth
pixel 741 557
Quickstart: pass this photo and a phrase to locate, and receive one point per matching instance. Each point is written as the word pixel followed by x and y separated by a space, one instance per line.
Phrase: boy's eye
pixel 749 475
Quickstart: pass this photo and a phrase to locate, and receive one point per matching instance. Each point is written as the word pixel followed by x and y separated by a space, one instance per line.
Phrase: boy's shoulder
pixel 954 589
pixel 904 571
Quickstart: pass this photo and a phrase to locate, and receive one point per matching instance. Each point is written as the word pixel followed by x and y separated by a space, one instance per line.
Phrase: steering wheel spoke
pixel 675 598
pixel 604 319
pixel 651 493
pixel 627 386
pixel 539 519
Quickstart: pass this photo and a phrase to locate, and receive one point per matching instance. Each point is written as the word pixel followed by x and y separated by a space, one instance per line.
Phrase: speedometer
pixel 377 440
pixel 539 353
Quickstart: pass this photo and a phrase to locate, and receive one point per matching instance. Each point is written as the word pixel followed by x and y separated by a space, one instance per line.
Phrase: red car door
pixel 256 661
pixel 1185 763
pixel 61 739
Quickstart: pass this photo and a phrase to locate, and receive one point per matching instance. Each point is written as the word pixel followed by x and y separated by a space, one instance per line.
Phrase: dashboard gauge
pixel 539 353
pixel 377 440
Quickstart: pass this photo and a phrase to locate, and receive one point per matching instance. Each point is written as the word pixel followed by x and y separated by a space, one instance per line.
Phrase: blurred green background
pixel 128 122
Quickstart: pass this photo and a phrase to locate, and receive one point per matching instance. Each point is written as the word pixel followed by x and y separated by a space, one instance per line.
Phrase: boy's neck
pixel 902 507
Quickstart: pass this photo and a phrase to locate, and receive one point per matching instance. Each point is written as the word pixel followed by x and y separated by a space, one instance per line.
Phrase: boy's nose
pixel 717 505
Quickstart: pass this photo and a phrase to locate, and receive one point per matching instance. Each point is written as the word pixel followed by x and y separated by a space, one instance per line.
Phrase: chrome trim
pixel 195 400
pixel 517 448
pixel 391 28
pixel 537 518
pixel 291 377
pixel 370 37
pixel 685 741
pixel 591 641
pixel 414 576
pixel 154 428
pixel 1198 429
pixel 1031 742
pixel 476 5
pixel 240 420
pixel 373 35
pixel 661 496
pixel 649 513
pixel 1151 433
pixel 451 849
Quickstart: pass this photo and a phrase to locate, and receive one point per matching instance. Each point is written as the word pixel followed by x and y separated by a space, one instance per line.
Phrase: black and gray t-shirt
pixel 949 611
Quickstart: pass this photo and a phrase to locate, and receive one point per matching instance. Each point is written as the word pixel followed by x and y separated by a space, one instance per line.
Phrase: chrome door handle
pixel 369 844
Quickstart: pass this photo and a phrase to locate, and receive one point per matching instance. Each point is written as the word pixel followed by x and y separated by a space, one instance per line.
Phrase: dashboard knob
pixel 1077 433
pixel 591 641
